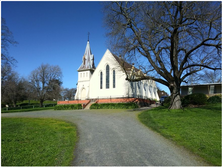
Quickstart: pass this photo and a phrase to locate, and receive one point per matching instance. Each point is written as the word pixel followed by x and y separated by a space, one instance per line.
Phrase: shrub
pixel 24 104
pixel 195 99
pixel 3 105
pixel 166 102
pixel 94 106
pixel 155 100
pixel 214 99
pixel 49 105
pixel 68 107
pixel 185 101
pixel 114 106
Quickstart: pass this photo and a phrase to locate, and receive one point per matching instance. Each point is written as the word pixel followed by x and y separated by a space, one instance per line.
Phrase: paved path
pixel 117 138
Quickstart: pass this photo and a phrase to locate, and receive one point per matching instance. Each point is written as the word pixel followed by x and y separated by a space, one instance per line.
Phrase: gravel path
pixel 117 138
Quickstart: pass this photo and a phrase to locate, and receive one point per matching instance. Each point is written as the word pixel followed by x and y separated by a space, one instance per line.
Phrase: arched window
pixel 114 78
pixel 139 83
pixel 107 77
pixel 101 80
pixel 145 86
pixel 150 88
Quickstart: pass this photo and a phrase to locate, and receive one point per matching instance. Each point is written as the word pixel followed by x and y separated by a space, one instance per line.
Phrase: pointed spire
pixel 88 59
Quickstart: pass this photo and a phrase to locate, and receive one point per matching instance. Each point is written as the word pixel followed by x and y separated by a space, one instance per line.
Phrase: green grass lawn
pixel 37 142
pixel 198 129
pixel 26 109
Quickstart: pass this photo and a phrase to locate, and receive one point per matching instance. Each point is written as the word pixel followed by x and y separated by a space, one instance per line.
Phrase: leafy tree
pixel 54 89
pixel 45 82
pixel 168 41
pixel 13 89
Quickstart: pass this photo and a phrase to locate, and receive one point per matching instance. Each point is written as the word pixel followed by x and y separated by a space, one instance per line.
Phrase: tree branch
pixel 195 48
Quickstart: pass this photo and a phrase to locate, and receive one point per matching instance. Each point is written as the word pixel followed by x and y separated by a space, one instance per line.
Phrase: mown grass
pixel 26 109
pixel 37 142
pixel 198 129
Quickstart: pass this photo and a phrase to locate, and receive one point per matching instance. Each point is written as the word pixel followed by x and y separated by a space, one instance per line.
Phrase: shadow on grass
pixel 198 129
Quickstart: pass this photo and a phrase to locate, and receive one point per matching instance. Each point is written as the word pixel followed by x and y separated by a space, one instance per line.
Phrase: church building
pixel 108 79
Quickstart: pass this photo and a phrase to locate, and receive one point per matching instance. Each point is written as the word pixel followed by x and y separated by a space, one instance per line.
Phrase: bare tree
pixel 168 41
pixel 6 71
pixel 45 82
pixel 69 93
pixel 7 39
pixel 210 76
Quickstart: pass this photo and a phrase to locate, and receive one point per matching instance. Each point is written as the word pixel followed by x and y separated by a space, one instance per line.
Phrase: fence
pixel 116 97
pixel 27 107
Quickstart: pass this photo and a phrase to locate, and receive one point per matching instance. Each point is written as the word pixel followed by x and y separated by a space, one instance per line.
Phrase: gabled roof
pixel 131 71
pixel 88 59
pixel 124 64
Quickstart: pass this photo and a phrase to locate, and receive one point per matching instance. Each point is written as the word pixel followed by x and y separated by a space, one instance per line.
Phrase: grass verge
pixel 198 129
pixel 37 142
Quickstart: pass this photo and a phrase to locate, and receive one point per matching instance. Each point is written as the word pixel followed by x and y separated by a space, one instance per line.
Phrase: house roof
pixel 205 84
pixel 88 59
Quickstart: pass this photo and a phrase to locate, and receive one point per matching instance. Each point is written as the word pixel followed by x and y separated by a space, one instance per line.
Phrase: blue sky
pixel 56 33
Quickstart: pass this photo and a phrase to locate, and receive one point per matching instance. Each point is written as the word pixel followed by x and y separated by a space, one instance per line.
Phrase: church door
pixel 83 94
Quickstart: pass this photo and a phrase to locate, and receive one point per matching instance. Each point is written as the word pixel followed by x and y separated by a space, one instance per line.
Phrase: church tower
pixel 85 72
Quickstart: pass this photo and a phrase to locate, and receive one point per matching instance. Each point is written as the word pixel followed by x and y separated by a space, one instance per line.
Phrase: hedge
pixel 166 102
pixel 195 99
pixel 114 106
pixel 68 107
pixel 214 99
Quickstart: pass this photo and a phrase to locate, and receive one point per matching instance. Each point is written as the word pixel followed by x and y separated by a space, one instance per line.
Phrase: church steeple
pixel 88 59
pixel 88 36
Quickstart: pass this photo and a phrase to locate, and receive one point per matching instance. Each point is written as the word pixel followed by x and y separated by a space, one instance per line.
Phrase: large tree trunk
pixel 175 102
pixel 180 33
pixel 41 102
pixel 14 103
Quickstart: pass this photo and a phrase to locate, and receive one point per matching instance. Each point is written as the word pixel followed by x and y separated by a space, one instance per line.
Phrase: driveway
pixel 117 138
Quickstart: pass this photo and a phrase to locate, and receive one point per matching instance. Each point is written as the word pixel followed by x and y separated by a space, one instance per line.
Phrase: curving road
pixel 117 138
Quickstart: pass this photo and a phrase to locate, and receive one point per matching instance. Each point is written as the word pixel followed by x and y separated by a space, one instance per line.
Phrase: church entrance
pixel 83 94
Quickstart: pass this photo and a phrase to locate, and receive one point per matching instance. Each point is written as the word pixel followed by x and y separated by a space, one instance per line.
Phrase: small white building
pixel 108 79
pixel 209 89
